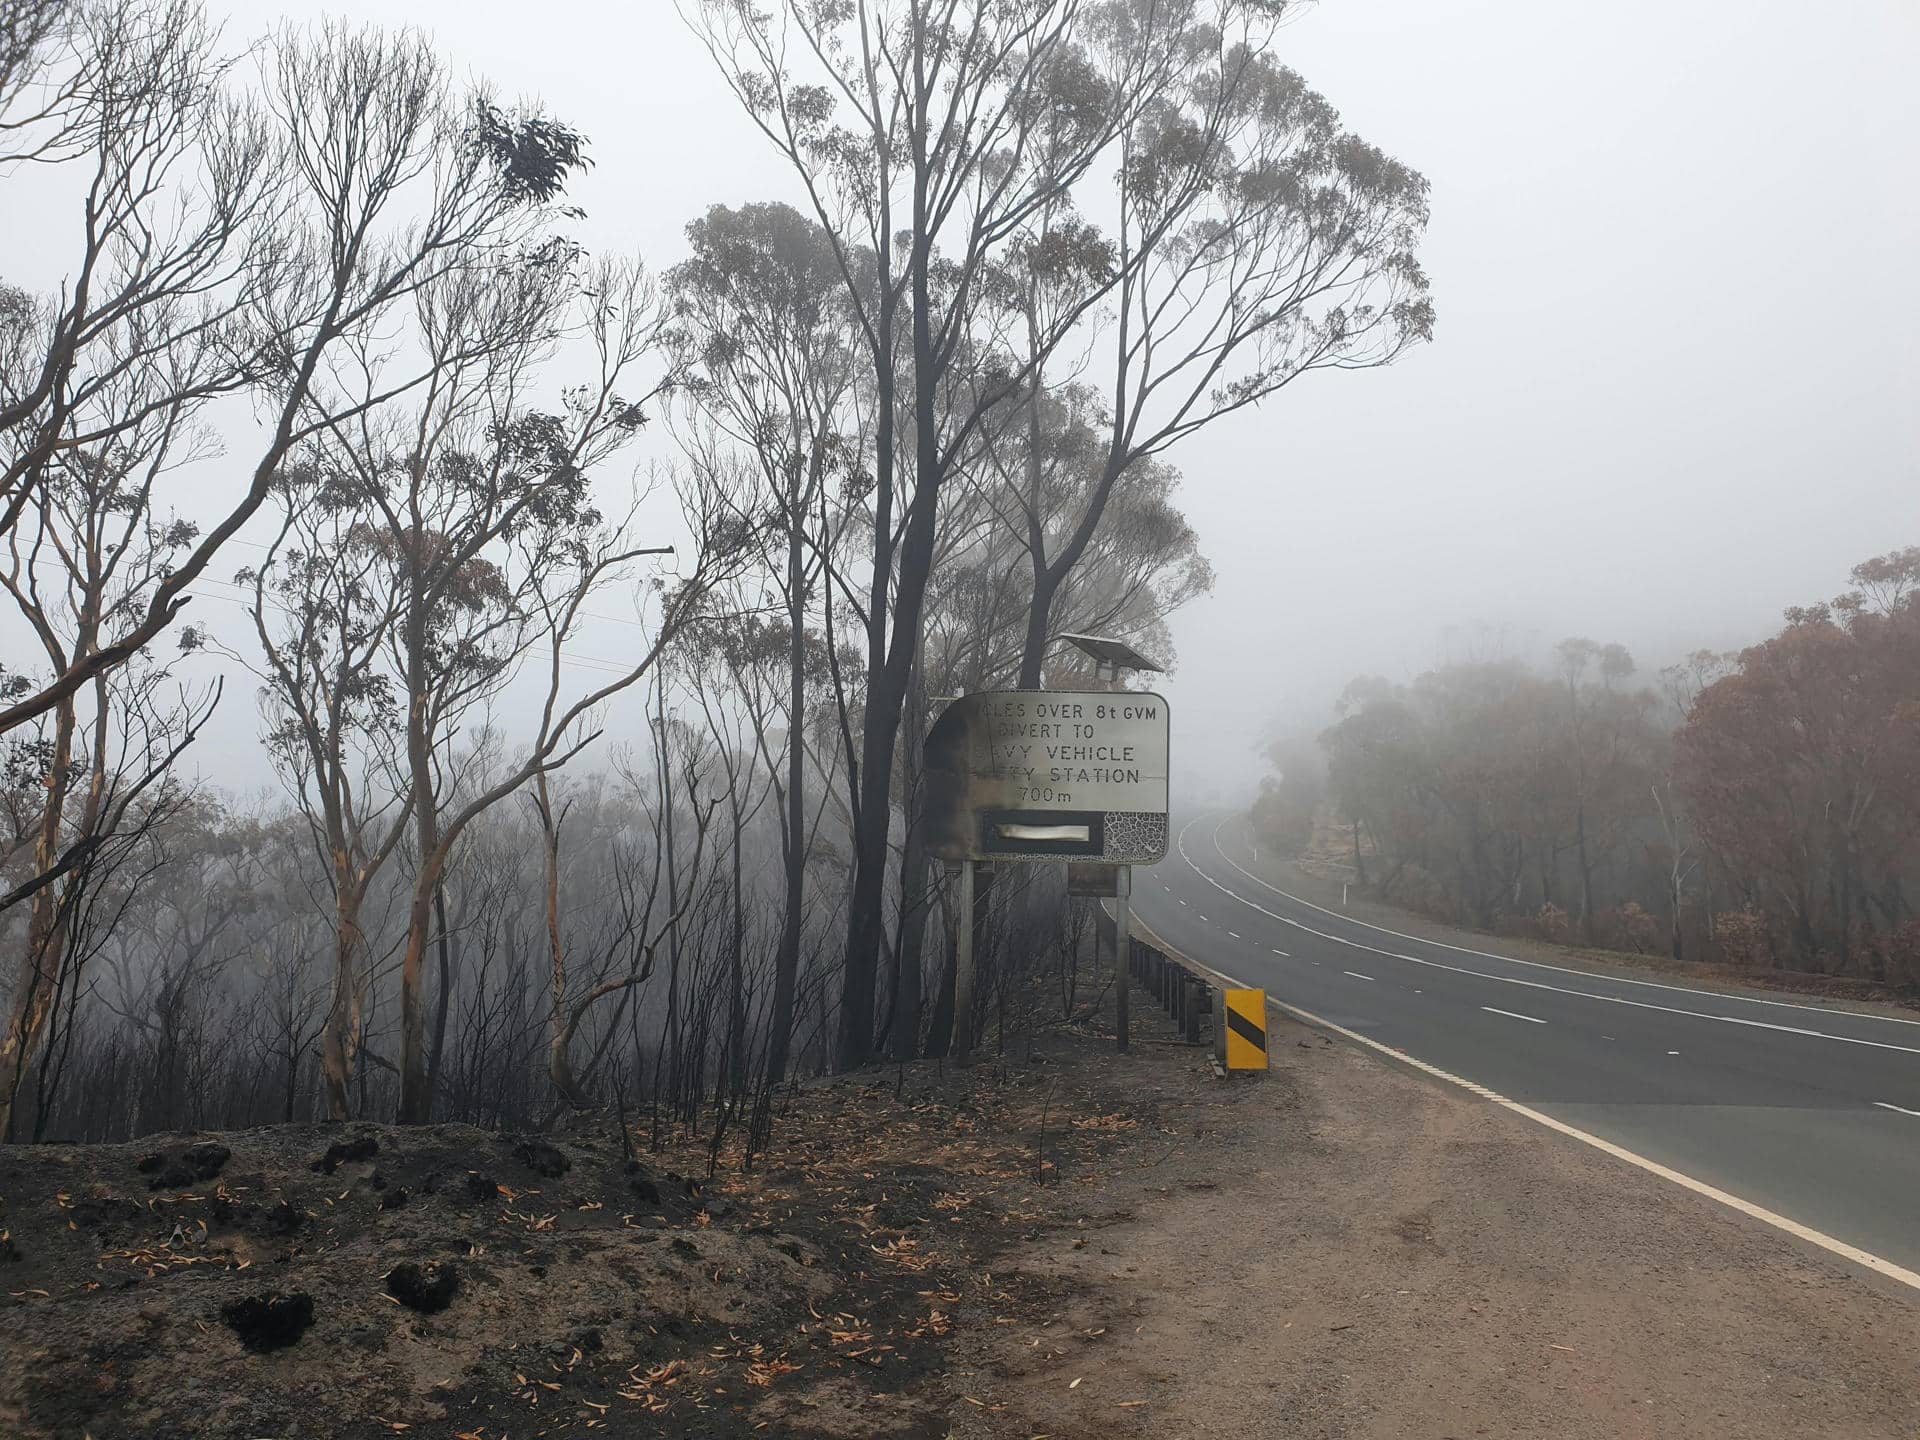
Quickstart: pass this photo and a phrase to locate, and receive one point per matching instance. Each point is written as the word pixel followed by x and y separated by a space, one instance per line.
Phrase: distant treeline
pixel 1759 808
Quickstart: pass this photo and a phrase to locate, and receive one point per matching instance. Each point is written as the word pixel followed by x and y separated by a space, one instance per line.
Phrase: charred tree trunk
pixel 560 1032
pixel 340 1039
pixel 39 969
pixel 793 848
pixel 737 977
pixel 443 996
pixel 416 1091
pixel 1586 874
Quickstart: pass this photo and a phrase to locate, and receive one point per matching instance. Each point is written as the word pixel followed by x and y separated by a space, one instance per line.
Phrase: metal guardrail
pixel 1189 993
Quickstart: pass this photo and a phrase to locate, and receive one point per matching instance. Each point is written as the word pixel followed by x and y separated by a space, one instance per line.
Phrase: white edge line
pixel 1513 1015
pixel 1864 1258
pixel 1901 1108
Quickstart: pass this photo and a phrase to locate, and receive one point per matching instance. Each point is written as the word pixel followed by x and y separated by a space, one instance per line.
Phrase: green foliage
pixel 533 155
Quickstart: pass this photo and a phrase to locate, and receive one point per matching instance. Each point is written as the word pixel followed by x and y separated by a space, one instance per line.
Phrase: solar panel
pixel 1112 652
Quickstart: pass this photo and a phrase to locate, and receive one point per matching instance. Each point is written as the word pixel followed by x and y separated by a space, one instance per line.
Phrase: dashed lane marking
pixel 1356 974
pixel 1512 1015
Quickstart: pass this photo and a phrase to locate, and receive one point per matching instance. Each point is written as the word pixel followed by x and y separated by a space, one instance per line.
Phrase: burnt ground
pixel 368 1280
pixel 1078 1245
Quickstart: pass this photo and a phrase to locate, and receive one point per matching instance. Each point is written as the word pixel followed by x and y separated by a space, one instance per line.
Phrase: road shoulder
pixel 1347 1249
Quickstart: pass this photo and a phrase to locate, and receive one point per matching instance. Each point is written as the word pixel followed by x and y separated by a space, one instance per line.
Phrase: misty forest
pixel 1759 809
pixel 594 606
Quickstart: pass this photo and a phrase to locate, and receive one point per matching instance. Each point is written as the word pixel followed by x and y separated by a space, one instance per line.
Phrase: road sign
pixel 1049 774
pixel 1246 1029
pixel 1093 877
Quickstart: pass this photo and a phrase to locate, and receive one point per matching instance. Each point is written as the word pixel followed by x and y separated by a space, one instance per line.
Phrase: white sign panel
pixel 1072 750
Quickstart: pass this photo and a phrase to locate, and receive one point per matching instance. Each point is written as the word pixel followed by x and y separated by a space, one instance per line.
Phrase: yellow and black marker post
pixel 1246 1029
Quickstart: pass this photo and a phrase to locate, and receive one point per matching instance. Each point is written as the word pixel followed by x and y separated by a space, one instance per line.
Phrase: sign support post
pixel 1122 950
pixel 1032 776
pixel 963 963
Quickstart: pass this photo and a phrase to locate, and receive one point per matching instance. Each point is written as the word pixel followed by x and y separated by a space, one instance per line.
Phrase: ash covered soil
pixel 369 1280
pixel 1078 1244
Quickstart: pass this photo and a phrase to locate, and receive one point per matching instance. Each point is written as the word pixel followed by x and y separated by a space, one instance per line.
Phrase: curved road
pixel 1809 1111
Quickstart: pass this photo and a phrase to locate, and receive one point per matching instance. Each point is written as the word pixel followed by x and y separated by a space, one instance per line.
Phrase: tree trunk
pixel 887 686
pixel 909 952
pixel 416 1094
pixel 340 1040
pixel 416 1097
pixel 737 978
pixel 793 843
pixel 442 999
pixel 940 1024
pixel 1586 874
pixel 675 1050
pixel 915 897
pixel 1033 650
pixel 39 967
pixel 560 1033
pixel 872 823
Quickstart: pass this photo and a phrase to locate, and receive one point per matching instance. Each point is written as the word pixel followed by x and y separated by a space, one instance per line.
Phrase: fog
pixel 1672 388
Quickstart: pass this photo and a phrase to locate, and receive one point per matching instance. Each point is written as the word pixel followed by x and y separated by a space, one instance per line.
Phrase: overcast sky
pixel 1673 386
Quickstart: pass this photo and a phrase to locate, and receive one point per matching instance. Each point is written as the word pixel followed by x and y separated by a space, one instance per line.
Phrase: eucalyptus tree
pixel 1248 239
pixel 86 550
pixel 958 154
pixel 473 519
pixel 1040 478
pixel 259 239
pixel 771 348
pixel 726 667
pixel 925 134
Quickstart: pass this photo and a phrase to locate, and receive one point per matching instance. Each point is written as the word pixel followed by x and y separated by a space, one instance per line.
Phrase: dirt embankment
pixel 367 1281
pixel 1077 1245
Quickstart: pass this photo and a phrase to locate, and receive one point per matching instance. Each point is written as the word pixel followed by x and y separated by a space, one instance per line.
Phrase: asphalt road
pixel 1811 1111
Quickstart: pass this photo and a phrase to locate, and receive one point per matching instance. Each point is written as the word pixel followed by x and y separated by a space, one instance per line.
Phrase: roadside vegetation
pixel 594 609
pixel 1759 810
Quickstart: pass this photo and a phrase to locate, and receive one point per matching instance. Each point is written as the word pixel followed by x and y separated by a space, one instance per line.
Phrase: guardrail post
pixel 1192 1028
